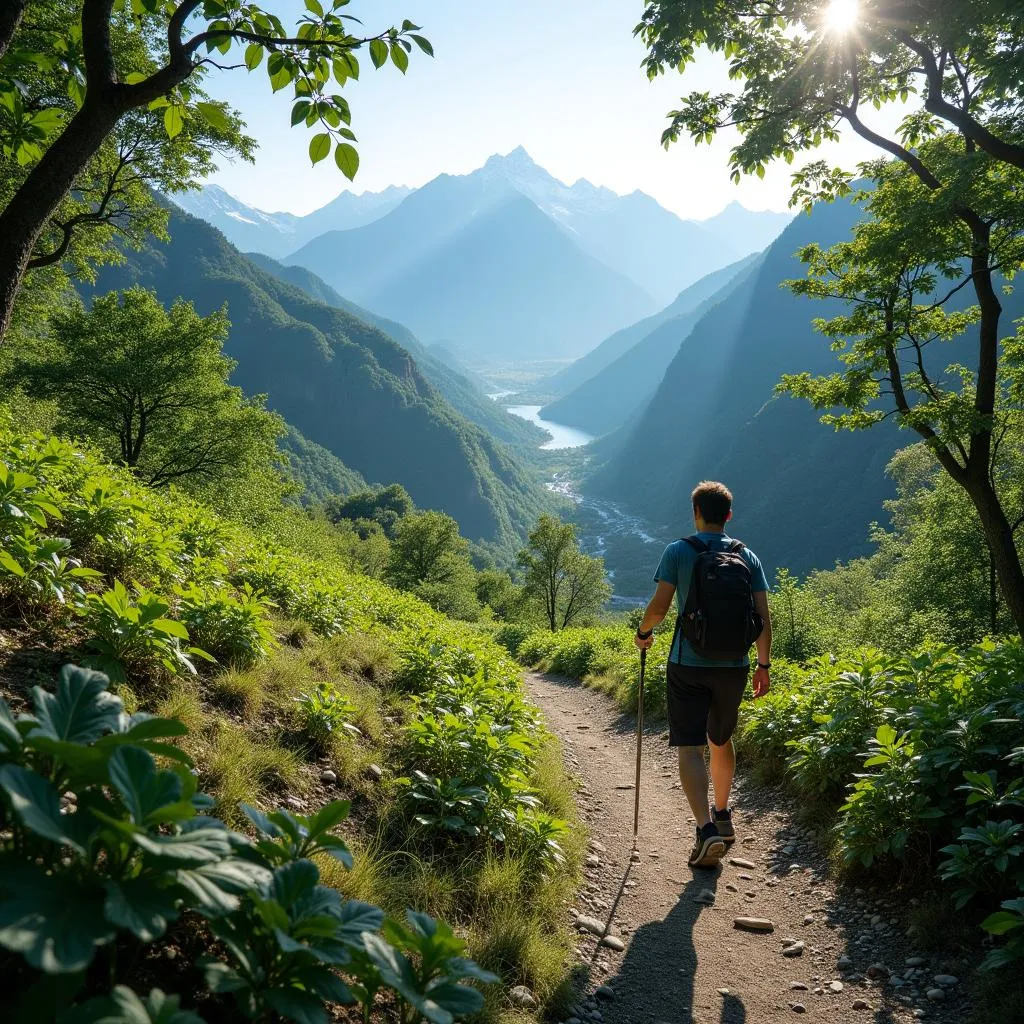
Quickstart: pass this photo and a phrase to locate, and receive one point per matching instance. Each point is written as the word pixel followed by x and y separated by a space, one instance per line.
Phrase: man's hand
pixel 762 683
pixel 643 643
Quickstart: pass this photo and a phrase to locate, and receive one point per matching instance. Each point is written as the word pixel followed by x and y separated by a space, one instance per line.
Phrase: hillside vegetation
pixel 343 383
pixel 283 681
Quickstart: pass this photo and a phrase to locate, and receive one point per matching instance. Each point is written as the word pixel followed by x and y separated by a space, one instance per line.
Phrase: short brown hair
pixel 713 500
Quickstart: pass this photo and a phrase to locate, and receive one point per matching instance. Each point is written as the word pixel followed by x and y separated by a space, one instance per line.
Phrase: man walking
pixel 722 599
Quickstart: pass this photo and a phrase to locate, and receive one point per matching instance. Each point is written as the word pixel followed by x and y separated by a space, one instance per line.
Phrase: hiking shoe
pixel 709 848
pixel 723 822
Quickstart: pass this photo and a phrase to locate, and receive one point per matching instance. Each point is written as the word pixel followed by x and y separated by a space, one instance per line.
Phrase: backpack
pixel 719 619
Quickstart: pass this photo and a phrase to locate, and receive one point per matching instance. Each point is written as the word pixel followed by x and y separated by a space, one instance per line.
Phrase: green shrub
pixel 135 635
pixel 136 851
pixel 234 627
pixel 326 713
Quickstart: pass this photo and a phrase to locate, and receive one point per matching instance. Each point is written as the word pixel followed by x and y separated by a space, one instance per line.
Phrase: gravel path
pixel 832 956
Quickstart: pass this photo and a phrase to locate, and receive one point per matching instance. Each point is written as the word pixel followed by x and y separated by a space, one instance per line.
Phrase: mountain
pixel 804 495
pixel 751 231
pixel 343 383
pixel 464 394
pixel 614 396
pixel 321 474
pixel 474 263
pixel 613 347
pixel 276 234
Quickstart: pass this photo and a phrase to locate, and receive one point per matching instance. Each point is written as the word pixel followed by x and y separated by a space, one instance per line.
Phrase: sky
pixel 560 77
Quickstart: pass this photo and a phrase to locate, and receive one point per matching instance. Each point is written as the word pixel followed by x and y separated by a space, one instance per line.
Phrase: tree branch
pixel 100 73
pixel 11 12
pixel 936 103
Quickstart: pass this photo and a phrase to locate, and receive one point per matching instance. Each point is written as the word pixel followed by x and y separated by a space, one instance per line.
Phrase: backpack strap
pixel 696 543
pixel 736 547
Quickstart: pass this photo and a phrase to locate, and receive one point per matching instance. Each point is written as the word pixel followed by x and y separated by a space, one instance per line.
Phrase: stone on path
pixel 328 776
pixel 836 986
pixel 613 942
pixel 861 1004
pixel 604 992
pixel 522 996
pixel 754 924
pixel 627 785
pixel 798 985
pixel 946 980
pixel 739 862
pixel 590 924
pixel 915 961
pixel 795 949
pixel 798 1007
pixel 593 861
pixel 936 995
pixel 723 991
pixel 809 919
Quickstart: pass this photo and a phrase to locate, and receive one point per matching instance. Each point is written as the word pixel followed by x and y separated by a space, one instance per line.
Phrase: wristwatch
pixel 644 636
pixel 767 666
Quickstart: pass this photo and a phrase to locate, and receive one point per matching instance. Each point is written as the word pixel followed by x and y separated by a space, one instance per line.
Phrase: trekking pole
pixel 639 742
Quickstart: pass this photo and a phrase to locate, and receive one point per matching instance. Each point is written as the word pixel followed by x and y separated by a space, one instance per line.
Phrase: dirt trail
pixel 684 962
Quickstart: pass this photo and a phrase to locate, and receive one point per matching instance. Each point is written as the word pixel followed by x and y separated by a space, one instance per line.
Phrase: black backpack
pixel 719 618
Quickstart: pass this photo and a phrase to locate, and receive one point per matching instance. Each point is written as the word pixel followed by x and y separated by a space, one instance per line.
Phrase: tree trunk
pixel 1004 554
pixel 35 202
pixel 11 12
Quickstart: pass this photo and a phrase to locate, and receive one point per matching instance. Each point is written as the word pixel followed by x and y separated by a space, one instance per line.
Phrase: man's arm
pixel 762 682
pixel 657 609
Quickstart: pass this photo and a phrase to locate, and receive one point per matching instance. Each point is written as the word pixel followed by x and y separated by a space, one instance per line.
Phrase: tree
pixel 431 560
pixel 568 584
pixel 805 76
pixel 385 507
pixel 72 72
pixel 150 387
pixel 498 591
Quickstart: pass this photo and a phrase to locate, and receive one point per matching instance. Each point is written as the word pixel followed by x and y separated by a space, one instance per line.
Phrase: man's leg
pixel 694 778
pixel 723 770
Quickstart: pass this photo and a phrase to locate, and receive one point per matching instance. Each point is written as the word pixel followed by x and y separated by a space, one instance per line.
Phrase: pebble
pixel 723 991
pixel 844 961
pixel 739 862
pixel 799 985
pixel 798 1007
pixel 593 861
pixel 861 1004
pixel 946 980
pixel 598 847
pixel 590 924
pixel 376 771
pixel 604 992
pixel 809 919
pixel 754 924
pixel 936 995
pixel 522 996
pixel 328 776
pixel 796 949
pixel 613 942
pixel 915 961
pixel 877 971
pixel 294 802
pixel 836 986
pixel 729 887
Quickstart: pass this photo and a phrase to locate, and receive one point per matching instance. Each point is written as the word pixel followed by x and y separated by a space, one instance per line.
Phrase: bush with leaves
pixel 104 852
pixel 233 626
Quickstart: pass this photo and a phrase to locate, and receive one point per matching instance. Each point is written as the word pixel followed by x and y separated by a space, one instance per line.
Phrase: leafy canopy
pixel 149 385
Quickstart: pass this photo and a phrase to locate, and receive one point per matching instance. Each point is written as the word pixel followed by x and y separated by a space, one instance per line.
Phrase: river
pixel 605 529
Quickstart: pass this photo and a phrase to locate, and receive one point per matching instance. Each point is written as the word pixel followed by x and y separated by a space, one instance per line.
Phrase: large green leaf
pixel 10 738
pixel 215 887
pixel 37 806
pixel 123 1006
pixel 54 923
pixel 151 796
pixel 81 710
pixel 293 881
pixel 356 920
pixel 140 906
pixel 297 1005
pixel 198 846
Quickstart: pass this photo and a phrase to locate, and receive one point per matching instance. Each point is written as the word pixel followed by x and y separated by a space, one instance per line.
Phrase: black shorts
pixel 703 703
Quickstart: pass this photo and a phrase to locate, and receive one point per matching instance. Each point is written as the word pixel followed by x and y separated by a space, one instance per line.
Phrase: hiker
pixel 722 599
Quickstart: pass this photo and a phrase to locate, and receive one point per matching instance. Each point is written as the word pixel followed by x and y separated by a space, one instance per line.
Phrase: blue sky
pixel 560 77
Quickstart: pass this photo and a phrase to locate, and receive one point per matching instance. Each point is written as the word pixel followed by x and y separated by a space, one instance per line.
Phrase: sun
pixel 840 16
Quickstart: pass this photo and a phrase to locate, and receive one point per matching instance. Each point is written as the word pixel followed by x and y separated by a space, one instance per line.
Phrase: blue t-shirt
pixel 676 567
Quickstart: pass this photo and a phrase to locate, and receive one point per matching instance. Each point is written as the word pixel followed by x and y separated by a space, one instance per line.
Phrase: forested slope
pixel 342 382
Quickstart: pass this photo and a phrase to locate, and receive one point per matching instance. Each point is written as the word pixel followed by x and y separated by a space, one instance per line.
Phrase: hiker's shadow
pixel 656 976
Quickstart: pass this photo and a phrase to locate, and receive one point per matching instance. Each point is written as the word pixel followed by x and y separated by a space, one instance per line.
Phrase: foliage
pixel 234 627
pixel 361 648
pixel 568 585
pixel 133 634
pixel 431 560
pixel 135 852
pixel 147 62
pixel 385 506
pixel 914 753
pixel 149 386
pixel 325 713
